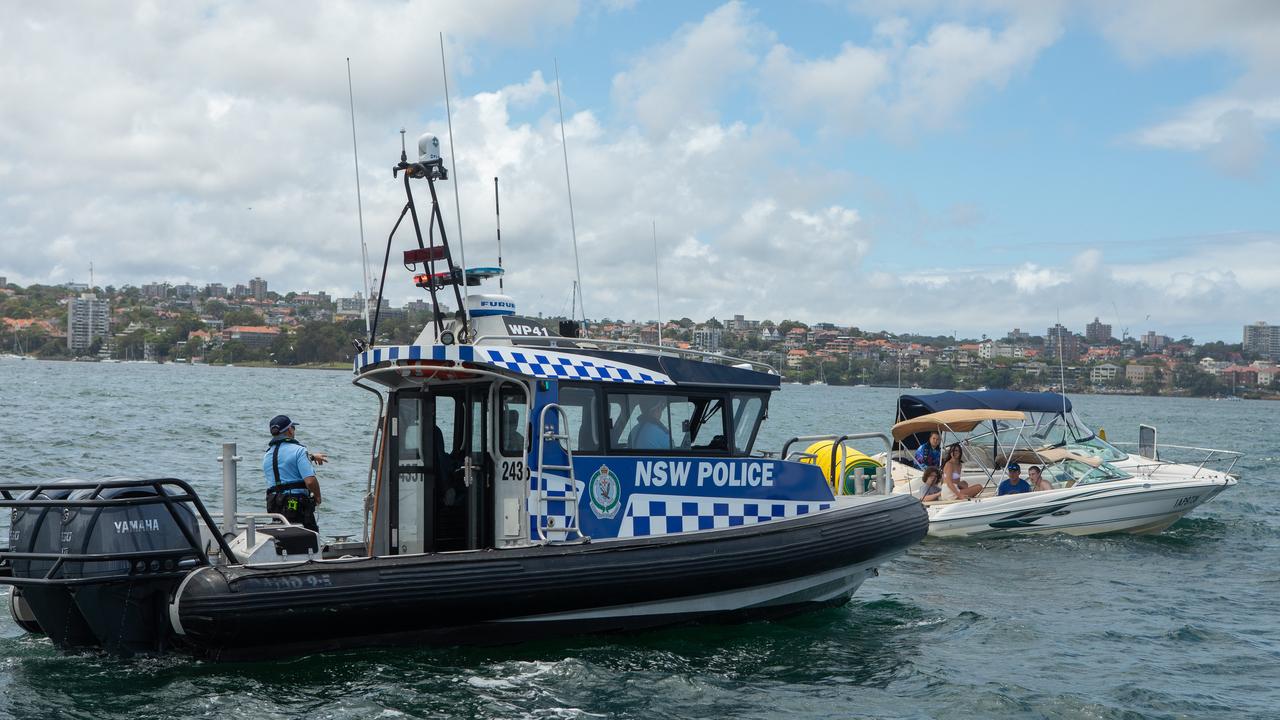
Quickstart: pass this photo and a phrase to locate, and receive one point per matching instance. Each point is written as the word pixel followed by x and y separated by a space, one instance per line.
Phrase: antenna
pixel 573 228
pixel 457 203
pixel 657 288
pixel 355 152
pixel 497 214
pixel 1062 369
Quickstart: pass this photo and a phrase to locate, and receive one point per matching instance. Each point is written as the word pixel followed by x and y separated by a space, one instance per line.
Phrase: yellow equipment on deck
pixel 820 453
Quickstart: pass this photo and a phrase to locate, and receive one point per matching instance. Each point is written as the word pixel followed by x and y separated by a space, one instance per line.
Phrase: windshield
pixel 1073 472
pixel 1099 448
pixel 1048 430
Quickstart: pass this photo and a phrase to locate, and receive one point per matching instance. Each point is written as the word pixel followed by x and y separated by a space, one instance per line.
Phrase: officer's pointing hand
pixel 318 458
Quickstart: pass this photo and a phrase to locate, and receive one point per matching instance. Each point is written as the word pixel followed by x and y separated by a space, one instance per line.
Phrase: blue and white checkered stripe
pixel 569 367
pixel 556 507
pixel 404 352
pixel 539 364
pixel 665 514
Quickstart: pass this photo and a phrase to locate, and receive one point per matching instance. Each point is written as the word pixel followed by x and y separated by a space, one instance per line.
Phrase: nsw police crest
pixel 604 493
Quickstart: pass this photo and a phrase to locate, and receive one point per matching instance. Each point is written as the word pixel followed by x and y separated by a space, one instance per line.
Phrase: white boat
pixel 1096 487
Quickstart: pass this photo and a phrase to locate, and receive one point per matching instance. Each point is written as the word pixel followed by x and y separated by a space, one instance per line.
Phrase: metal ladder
pixel 550 435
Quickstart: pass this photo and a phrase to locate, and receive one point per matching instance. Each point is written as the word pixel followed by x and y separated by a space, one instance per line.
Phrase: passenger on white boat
pixel 1014 484
pixel 953 487
pixel 931 488
pixel 1038 482
pixel 930 453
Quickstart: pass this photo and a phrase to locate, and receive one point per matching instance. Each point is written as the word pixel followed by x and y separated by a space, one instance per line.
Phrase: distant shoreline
pixel 248 364
pixel 345 367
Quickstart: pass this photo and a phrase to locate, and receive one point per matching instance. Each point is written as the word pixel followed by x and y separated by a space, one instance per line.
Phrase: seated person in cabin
pixel 512 439
pixel 932 489
pixel 649 433
pixel 1014 483
pixel 1038 482
pixel 930 454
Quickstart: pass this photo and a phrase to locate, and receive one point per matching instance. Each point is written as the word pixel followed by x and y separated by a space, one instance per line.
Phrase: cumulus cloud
pixel 1230 126
pixel 903 79
pixel 680 80
pixel 1203 291
pixel 1231 130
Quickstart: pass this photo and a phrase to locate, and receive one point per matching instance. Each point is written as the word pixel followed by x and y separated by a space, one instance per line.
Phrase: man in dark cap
pixel 292 487
pixel 1014 483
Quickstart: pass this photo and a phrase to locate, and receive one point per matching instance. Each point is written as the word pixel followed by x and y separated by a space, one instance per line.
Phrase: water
pixel 1181 625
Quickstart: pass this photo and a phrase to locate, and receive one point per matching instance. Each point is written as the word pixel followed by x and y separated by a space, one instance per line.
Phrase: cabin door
pixel 440 470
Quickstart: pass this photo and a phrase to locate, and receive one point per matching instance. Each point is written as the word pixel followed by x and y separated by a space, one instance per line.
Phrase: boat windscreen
pixel 1073 472
pixel 1099 448
pixel 748 411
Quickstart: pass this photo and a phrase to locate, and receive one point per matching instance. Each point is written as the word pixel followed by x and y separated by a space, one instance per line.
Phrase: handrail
pixel 545 435
pixel 585 343
pixel 1212 455
pixel 375 458
pixel 162 496
pixel 1218 451
pixel 839 440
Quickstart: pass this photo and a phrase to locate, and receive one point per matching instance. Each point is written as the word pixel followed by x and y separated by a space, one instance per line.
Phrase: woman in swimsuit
pixel 953 487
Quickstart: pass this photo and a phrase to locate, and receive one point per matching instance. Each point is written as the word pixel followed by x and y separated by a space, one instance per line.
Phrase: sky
pixel 933 167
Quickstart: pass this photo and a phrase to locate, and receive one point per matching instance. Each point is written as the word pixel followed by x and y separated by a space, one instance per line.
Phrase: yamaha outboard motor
pixel 50 609
pixel 124 551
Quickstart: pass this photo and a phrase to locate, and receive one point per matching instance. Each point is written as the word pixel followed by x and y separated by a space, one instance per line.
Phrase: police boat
pixel 523 483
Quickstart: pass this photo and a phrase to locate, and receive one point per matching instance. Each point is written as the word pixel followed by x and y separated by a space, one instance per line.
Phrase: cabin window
pixel 579 405
pixel 650 421
pixel 409 412
pixel 513 419
pixel 748 411
pixel 447 411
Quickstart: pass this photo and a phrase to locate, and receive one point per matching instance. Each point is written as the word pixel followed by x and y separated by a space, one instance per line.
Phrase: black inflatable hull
pixel 501 596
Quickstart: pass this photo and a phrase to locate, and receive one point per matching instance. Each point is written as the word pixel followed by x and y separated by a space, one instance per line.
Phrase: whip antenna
pixel 573 228
pixel 1062 369
pixel 497 214
pixel 657 288
pixel 457 203
pixel 355 152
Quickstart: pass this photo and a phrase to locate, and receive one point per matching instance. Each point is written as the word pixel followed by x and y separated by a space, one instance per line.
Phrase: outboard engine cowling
pixel 127 615
pixel 52 607
pixel 123 546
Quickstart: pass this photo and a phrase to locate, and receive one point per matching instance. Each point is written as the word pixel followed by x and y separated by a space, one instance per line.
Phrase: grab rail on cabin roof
pixel 595 344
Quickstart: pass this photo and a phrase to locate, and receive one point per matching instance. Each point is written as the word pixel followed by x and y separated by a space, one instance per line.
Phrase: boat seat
pixel 292 539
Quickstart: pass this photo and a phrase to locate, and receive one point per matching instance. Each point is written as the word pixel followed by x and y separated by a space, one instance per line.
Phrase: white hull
pixel 1128 506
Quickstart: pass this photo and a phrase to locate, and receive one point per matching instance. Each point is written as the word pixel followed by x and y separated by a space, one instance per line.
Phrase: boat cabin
pixel 563 440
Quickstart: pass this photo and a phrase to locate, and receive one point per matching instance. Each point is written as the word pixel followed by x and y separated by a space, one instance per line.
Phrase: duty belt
pixel 282 487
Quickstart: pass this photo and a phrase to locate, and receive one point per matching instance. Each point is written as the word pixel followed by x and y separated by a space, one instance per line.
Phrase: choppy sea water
pixel 1181 625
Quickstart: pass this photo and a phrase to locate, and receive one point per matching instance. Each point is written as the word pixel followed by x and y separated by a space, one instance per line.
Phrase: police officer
pixel 292 487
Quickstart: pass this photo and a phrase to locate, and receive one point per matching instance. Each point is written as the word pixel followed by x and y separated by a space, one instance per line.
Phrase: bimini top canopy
pixel 911 406
pixel 952 421
pixel 451 362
